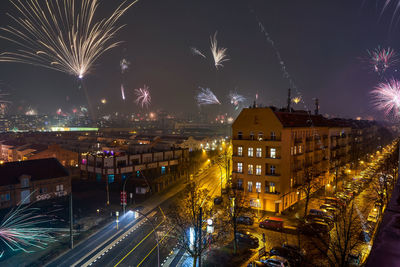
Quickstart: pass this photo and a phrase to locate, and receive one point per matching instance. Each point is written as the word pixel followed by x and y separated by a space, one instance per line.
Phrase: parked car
pixel 247 238
pixel 365 236
pixel 334 201
pixel 217 200
pixel 317 218
pixel 257 264
pixel 245 220
pixel 294 248
pixel 320 213
pixel 292 256
pixel 273 223
pixel 315 228
pixel 330 209
pixel 276 261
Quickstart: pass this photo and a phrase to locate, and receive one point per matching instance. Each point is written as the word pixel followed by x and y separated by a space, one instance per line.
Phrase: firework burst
pixel 219 53
pixel 236 99
pixel 382 59
pixel 124 65
pixel 296 99
pixel 61 35
pixel 24 228
pixel 206 97
pixel 143 97
pixel 386 97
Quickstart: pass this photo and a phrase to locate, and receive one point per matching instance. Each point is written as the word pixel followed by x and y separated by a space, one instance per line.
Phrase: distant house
pixel 66 157
pixel 32 180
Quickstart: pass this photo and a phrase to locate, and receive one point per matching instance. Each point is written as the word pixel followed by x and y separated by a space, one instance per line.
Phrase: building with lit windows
pixel 272 150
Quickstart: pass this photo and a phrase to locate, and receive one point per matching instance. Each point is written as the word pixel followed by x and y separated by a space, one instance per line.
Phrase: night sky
pixel 321 42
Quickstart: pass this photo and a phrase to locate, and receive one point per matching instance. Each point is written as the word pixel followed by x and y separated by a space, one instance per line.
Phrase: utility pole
pixel 71 223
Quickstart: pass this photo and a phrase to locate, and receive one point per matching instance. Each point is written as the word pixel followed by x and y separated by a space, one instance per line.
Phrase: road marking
pixel 138 244
pixel 153 248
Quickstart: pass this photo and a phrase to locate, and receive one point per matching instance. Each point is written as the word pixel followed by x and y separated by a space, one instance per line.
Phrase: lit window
pixel 272 153
pixel 250 186
pixel 258 187
pixel 300 149
pixel 258 169
pixel 272 187
pixel 260 136
pixel 295 150
pixel 291 150
pixel 273 136
pixel 250 152
pixel 258 152
pixel 240 151
pixel 240 167
pixel 255 203
pixel 250 169
pixel 272 169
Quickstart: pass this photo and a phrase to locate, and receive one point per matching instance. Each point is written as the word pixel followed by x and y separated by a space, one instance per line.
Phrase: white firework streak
pixel 123 92
pixel 197 52
pixel 219 54
pixel 206 97
pixel 143 96
pixel 62 34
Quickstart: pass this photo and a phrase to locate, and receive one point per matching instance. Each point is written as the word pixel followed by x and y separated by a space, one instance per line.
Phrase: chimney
pixel 316 106
pixel 289 100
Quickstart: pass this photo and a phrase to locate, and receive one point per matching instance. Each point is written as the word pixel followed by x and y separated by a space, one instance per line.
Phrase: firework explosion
pixel 23 227
pixel 31 112
pixel 61 35
pixel 219 54
pixel 206 97
pixel 124 64
pixel 382 59
pixel 236 99
pixel 197 52
pixel 143 97
pixel 296 99
pixel 387 97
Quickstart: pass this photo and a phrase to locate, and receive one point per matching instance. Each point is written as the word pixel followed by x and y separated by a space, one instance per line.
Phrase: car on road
pixel 245 220
pixel 316 218
pixel 292 256
pixel 247 238
pixel 273 223
pixel 276 261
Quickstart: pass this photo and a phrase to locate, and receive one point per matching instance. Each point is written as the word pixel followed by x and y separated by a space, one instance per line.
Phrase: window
pixel 299 149
pixel 240 184
pixel 255 203
pixel 260 136
pixel 272 187
pixel 258 187
pixel 291 150
pixel 240 151
pixel 250 169
pixel 252 135
pixel 272 169
pixel 25 182
pixel 250 186
pixel 43 190
pixel 163 170
pixel 273 136
pixel 295 150
pixel 258 169
pixel 250 152
pixel 60 187
pixel 240 135
pixel 258 152
pixel 272 153
pixel 240 167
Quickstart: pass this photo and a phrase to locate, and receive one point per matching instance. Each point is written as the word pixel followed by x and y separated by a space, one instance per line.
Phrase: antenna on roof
pixel 316 106
pixel 289 100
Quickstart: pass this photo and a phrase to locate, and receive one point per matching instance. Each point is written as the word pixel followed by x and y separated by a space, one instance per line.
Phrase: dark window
pixel 240 135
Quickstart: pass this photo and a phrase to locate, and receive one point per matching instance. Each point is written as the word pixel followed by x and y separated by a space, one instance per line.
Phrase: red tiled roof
pixel 303 119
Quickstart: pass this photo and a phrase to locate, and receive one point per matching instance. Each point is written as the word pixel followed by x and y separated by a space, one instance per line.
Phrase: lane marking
pixel 154 248
pixel 138 244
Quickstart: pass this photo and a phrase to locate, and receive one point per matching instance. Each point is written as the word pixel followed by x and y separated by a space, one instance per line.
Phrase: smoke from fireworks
pixel 143 97
pixel 236 99
pixel 61 35
pixel 123 92
pixel 124 64
pixel 387 97
pixel 219 54
pixel 206 97
pixel 382 59
pixel 197 52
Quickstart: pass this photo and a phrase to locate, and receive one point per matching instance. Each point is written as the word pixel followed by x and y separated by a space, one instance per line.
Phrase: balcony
pixel 309 139
pixel 298 140
pixel 273 174
pixel 309 150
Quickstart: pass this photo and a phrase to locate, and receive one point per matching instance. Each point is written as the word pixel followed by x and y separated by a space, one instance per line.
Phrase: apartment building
pixel 273 149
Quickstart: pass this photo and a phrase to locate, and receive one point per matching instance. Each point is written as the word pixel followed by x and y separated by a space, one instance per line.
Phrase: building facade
pixel 33 180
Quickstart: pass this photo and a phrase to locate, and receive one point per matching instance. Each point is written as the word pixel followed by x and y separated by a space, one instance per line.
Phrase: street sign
pixel 123 198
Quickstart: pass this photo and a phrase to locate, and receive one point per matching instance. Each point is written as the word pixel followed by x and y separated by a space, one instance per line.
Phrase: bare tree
pixel 186 218
pixel 343 240
pixel 310 185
